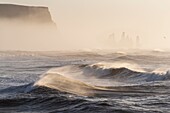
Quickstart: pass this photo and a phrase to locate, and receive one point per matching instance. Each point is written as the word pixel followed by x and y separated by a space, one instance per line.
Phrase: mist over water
pixel 17 35
pixel 20 35
pixel 94 24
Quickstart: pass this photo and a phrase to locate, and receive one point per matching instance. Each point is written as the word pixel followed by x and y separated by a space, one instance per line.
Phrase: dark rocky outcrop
pixel 26 14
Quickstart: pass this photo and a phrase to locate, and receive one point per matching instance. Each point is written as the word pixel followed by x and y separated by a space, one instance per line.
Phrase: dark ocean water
pixel 85 82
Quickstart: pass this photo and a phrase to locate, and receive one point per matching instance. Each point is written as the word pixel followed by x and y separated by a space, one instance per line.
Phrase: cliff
pixel 26 14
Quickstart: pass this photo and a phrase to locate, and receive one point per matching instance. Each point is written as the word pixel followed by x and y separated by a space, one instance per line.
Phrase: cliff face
pixel 25 13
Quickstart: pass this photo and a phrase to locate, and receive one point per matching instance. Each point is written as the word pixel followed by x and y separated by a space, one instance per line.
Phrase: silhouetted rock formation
pixel 26 14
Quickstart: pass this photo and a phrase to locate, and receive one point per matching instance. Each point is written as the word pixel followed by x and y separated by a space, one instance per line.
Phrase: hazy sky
pixel 150 19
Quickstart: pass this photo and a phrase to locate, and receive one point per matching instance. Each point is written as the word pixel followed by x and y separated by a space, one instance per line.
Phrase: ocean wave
pixel 61 93
pixel 97 78
pixel 114 71
pixel 94 79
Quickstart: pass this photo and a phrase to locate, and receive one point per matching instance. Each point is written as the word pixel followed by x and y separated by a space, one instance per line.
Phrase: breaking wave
pixel 74 88
pixel 97 78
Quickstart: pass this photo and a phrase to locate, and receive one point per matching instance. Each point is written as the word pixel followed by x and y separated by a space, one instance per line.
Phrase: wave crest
pixel 89 79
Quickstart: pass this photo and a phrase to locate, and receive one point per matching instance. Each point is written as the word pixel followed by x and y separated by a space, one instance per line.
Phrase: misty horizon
pixel 89 27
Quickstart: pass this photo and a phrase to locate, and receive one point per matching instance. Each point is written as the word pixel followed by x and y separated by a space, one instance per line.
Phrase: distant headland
pixel 34 14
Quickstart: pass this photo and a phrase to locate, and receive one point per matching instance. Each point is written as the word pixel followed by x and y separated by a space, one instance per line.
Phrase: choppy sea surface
pixel 85 82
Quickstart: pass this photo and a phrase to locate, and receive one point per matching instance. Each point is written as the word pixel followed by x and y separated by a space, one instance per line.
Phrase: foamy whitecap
pixel 94 78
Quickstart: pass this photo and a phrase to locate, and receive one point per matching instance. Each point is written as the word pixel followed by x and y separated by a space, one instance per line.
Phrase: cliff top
pixel 24 13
